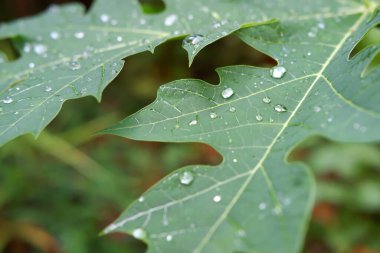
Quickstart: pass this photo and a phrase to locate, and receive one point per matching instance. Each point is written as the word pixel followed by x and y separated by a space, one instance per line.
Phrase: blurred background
pixel 58 192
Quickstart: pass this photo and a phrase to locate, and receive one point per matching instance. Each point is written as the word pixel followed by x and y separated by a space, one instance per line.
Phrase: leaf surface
pixel 255 201
pixel 67 54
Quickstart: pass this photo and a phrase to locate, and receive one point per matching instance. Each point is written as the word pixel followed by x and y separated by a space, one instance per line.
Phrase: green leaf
pixel 255 201
pixel 66 54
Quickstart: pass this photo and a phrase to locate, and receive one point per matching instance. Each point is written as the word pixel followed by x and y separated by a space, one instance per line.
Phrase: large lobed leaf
pixel 67 54
pixel 255 201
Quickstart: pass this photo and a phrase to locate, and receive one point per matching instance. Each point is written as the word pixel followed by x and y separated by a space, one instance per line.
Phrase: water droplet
pixel 234 160
pixel 193 122
pixel 232 109
pixel 79 35
pixel 139 233
pixel 267 100
pixel 308 53
pixel 311 34
pixel 317 108
pixel 277 72
pixel 104 18
pixel 262 206
pixel 169 238
pixel 48 89
pixel 192 39
pixel 259 117
pixel 227 93
pixel 31 65
pixel 27 48
pixel 170 20
pixel 119 38
pixel 217 198
pixel 186 178
pixel 39 49
pixel 54 35
pixel 242 233
pixel 141 199
pixel 16 112
pixel 74 65
pixel 213 115
pixel 280 108
pixel 321 25
pixel 7 100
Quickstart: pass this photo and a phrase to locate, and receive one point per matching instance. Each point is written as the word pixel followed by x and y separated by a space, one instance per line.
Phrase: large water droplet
pixel 227 93
pixel 141 199
pixel 259 117
pixel 7 100
pixel 170 20
pixel 277 72
pixel 139 233
pixel 192 39
pixel 267 100
pixel 31 65
pixel 217 198
pixel 186 178
pixel 280 108
pixel 48 88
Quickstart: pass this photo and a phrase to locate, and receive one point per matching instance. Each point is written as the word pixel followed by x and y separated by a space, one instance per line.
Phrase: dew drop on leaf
pixel 7 100
pixel 54 35
pixel 79 35
pixel 141 199
pixel 31 65
pixel 193 122
pixel 217 198
pixel 232 109
pixel 170 20
pixel 259 117
pixel 169 238
pixel 262 206
pixel 267 100
pixel 280 108
pixel 139 233
pixel 39 49
pixel 277 72
pixel 213 115
pixel 192 39
pixel 186 178
pixel 227 93
pixel 74 65
pixel 104 18
pixel 48 89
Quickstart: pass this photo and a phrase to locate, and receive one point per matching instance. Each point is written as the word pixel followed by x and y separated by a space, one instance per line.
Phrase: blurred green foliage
pixel 59 191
